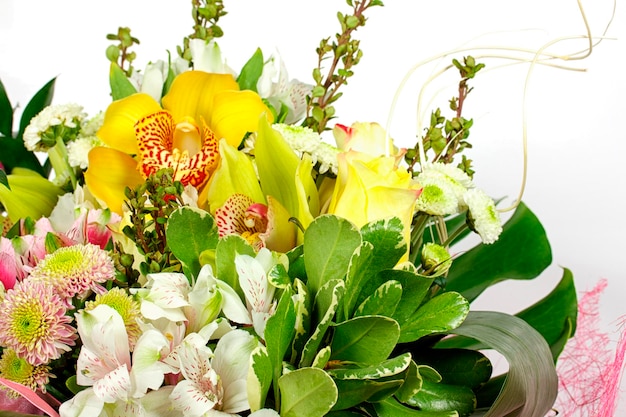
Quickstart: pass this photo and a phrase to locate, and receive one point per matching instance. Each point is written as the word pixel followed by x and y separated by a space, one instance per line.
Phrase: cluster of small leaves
pixel 121 53
pixel 448 137
pixel 205 14
pixel 150 205
pixel 344 53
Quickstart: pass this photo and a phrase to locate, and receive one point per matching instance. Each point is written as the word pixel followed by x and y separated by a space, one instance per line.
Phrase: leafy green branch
pixel 448 137
pixel 205 14
pixel 344 53
pixel 120 53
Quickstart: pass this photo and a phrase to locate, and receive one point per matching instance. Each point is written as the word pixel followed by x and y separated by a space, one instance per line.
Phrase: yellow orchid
pixel 143 137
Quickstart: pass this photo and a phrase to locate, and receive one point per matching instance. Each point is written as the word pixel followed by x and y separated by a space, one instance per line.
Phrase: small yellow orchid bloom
pixel 30 195
pixel 143 137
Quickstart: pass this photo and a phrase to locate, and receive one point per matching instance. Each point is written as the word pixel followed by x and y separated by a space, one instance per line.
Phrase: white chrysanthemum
pixel 483 216
pixel 78 150
pixel 457 180
pixel 438 197
pixel 304 140
pixel 61 120
pixel 89 127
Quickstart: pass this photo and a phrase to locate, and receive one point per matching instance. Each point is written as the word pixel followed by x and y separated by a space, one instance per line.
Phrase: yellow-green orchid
pixel 29 195
pixel 143 137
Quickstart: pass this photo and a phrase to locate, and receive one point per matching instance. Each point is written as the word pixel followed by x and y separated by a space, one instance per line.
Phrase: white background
pixel 576 173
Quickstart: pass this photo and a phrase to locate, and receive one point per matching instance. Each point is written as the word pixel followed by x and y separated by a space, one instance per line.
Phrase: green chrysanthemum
pixel 437 198
pixel 17 369
pixel 74 270
pixel 126 306
pixel 436 260
pixel 482 216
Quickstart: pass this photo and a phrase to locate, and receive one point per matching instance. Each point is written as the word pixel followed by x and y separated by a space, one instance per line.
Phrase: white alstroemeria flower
pixel 259 293
pixel 154 404
pixel 207 57
pixel 275 86
pixel 483 216
pixel 214 384
pixel 164 295
pixel 104 361
pixel 205 301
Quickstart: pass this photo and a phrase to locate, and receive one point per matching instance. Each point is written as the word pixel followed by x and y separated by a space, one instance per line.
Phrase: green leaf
pixel 457 366
pixel 260 379
pixel 387 237
pixel 40 100
pixel 279 333
pixel 354 392
pixel 6 113
pixel 360 270
pixel 384 369
pixel 555 315
pixel 414 289
pixel 441 397
pixel 189 232
pixel 326 304
pixel 440 314
pixel 306 392
pixel 392 408
pixel 303 306
pixel 367 340
pixel 4 180
pixel 329 243
pixel 227 249
pixel 531 385
pixel 522 252
pixel 121 87
pixel 251 72
pixel 412 383
pixel 383 302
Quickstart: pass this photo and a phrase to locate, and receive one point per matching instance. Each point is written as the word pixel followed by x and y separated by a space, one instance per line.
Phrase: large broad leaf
pixel 354 392
pixel 531 385
pixel 189 232
pixel 437 396
pixel 457 366
pixel 522 252
pixel 329 243
pixel 6 113
pixel 440 314
pixel 554 317
pixel 306 392
pixel 40 100
pixel 367 339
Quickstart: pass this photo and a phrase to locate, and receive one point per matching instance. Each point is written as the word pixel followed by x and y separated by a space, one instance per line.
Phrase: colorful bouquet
pixel 200 249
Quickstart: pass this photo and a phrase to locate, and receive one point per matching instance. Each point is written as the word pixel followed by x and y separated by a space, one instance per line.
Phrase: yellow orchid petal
pixel 237 112
pixel 309 202
pixel 160 142
pixel 31 195
pixel 235 175
pixel 281 233
pixel 192 94
pixel 118 129
pixel 110 172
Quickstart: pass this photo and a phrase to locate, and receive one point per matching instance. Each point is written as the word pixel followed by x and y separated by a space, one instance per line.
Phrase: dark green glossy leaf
pixel 392 408
pixel 189 232
pixel 251 72
pixel 442 397
pixel 367 340
pixel 6 113
pixel 414 289
pixel 354 392
pixel 531 385
pixel 457 366
pixel 522 252
pixel 40 100
pixel 439 314
pixel 329 243
pixel 3 179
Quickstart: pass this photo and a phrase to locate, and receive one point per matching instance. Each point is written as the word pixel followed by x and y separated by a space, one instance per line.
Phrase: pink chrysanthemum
pixel 33 323
pixel 17 369
pixel 74 270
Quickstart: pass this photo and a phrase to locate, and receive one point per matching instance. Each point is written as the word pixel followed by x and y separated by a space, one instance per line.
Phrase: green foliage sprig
pixel 344 53
pixel 205 14
pixel 448 137
pixel 150 205
pixel 121 53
